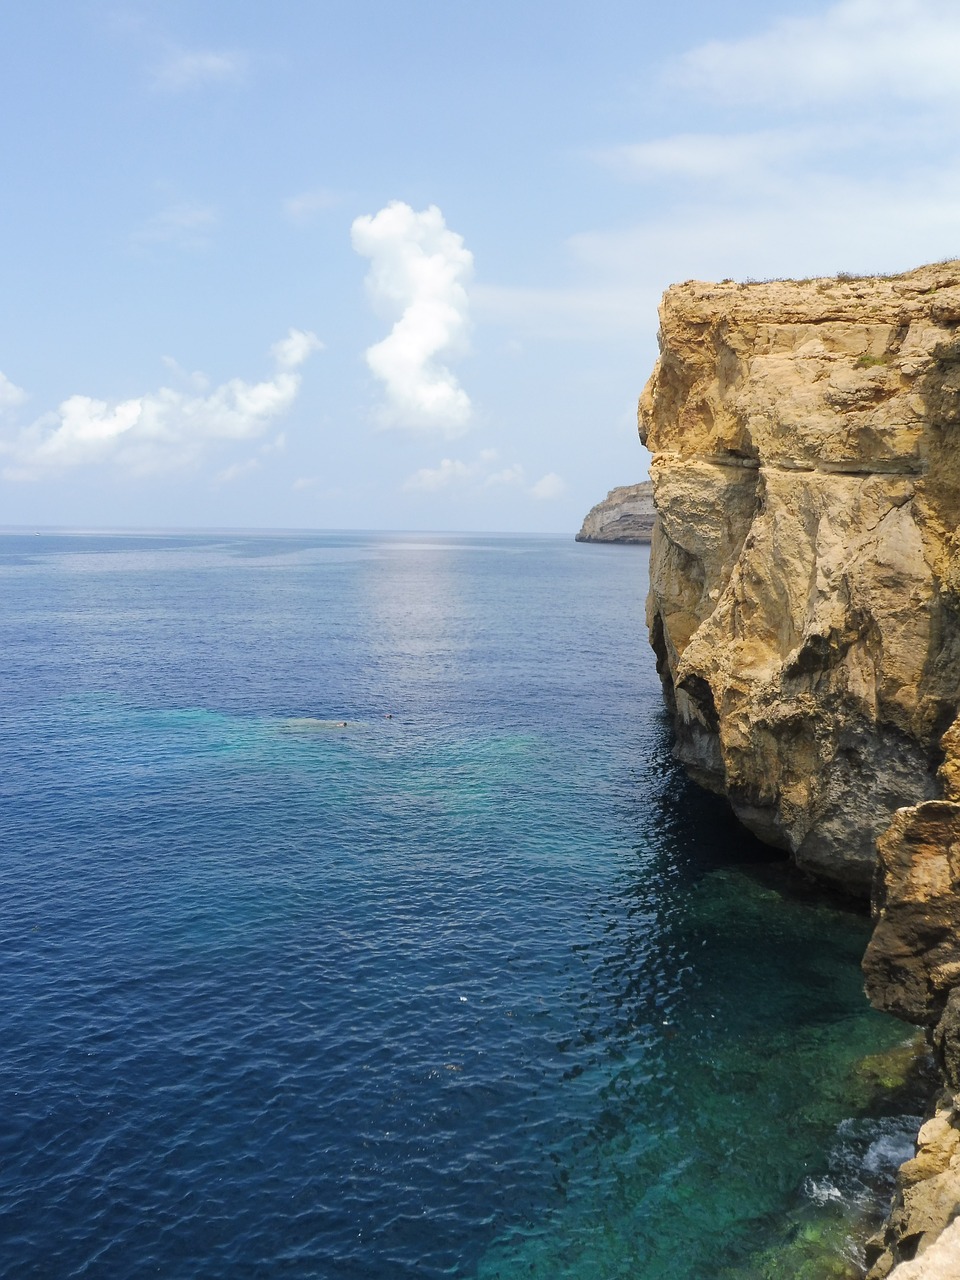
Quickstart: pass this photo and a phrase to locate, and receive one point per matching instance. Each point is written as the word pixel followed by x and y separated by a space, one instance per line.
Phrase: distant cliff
pixel 625 515
pixel 805 612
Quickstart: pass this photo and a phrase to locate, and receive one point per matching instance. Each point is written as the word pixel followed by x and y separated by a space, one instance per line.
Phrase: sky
pixel 395 264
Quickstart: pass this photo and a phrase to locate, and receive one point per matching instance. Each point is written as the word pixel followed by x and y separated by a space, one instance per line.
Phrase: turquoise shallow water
pixel 481 989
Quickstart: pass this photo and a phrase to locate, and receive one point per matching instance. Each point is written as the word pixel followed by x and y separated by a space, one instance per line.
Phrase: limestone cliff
pixel 805 612
pixel 804 598
pixel 625 515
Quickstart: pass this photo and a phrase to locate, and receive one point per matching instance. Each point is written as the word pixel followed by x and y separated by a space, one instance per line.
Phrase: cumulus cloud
pixel 187 69
pixel 10 394
pixel 419 272
pixel 291 351
pixel 162 429
pixel 905 49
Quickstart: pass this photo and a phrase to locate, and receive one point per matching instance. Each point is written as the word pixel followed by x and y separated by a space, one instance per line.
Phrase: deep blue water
pixel 482 989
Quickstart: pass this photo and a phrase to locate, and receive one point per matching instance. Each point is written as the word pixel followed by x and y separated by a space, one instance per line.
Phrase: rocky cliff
pixel 805 612
pixel 626 514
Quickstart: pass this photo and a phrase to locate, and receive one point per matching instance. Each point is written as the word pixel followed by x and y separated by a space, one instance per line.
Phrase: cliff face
pixel 805 598
pixel 805 612
pixel 626 514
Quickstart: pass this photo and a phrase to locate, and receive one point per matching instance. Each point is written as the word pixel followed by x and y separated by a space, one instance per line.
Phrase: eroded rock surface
pixel 805 611
pixel 922 1234
pixel 805 582
pixel 626 514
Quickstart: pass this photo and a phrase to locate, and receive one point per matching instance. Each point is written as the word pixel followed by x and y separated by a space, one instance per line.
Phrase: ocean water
pixel 474 984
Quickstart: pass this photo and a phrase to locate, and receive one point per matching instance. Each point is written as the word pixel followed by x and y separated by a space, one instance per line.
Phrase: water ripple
pixel 467 991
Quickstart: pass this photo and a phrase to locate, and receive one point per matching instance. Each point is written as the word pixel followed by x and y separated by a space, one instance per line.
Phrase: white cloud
pixel 450 471
pixel 304 207
pixel 197 381
pixel 454 473
pixel 162 429
pixel 186 226
pixel 291 351
pixel 188 69
pixel 10 394
pixel 596 313
pixel 304 482
pixel 808 194
pixel 419 272
pixel 712 155
pixel 809 223
pixel 236 471
pixel 507 477
pixel 549 487
pixel 905 49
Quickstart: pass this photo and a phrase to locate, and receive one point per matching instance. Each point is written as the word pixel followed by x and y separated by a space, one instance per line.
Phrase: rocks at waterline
pixel 805 612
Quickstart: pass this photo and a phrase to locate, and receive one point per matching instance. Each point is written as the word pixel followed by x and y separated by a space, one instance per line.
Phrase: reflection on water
pixel 484 988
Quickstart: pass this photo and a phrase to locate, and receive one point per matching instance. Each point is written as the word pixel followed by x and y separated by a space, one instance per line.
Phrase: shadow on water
pixel 704 835
pixel 729 1124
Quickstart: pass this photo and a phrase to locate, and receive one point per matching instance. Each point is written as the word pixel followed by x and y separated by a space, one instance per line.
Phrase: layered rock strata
pixel 804 575
pixel 626 514
pixel 805 612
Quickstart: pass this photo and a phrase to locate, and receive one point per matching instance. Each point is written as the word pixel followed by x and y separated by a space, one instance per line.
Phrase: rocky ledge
pixel 805 612
pixel 626 514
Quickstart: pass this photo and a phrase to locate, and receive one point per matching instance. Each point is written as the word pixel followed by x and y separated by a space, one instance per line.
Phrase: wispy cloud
pixel 856 49
pixel 809 222
pixel 160 430
pixel 811 192
pixel 549 487
pixel 184 69
pixel 304 208
pixel 183 226
pixel 419 272
pixel 482 473
pixel 716 155
pixel 236 471
pixel 594 313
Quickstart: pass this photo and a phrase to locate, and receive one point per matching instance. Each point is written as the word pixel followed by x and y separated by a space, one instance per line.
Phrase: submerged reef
pixel 805 612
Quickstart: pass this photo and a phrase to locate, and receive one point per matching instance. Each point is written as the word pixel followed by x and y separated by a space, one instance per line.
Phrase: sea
pixel 356 922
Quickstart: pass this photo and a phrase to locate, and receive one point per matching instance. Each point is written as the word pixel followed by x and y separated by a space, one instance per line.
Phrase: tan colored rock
pixel 804 575
pixel 941 1261
pixel 913 959
pixel 926 1202
pixel 626 514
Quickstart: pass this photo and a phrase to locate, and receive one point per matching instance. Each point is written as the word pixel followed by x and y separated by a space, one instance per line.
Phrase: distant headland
pixel 626 514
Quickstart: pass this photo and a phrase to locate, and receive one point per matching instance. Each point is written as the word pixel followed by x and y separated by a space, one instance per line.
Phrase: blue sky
pixel 396 265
